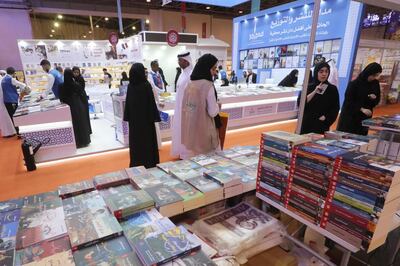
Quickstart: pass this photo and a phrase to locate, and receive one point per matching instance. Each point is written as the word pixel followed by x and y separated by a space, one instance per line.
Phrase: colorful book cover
pixel 69 190
pixel 204 184
pixel 152 250
pixel 142 231
pixel 45 225
pixel 42 250
pixel 10 216
pixel 247 150
pixel 203 160
pixel 125 204
pixel 82 203
pixel 140 218
pixel 196 258
pixel 7 257
pixel 230 153
pixel 225 166
pixel 250 160
pixel 165 166
pixel 62 258
pixel 154 177
pixel 111 179
pixel 40 199
pixel 163 195
pixel 136 171
pixel 185 169
pixel 10 205
pixel 102 252
pixel 186 191
pixel 108 192
pixel 323 150
pixel 8 234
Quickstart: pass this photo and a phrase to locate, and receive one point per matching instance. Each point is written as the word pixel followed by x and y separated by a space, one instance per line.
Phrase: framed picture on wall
pixel 289 61
pixel 267 52
pixel 319 47
pixel 283 50
pixel 290 50
pixel 272 52
pixel 295 61
pixel 283 61
pixel 255 63
pixel 317 59
pixel 302 61
pixel 260 63
pixel 242 55
pixel 241 64
pixel 265 63
pixel 335 46
pixel 303 48
pixel 271 63
pixel 277 63
pixel 296 49
pixel 250 55
pixel 327 47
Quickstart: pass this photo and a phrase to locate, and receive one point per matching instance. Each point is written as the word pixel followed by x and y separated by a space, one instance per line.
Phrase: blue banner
pixel 293 25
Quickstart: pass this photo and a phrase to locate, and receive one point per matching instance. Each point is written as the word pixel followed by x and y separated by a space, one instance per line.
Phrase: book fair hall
pixel 200 132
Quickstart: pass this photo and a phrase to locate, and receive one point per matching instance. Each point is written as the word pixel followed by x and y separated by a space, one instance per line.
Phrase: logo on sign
pixel 254 36
pixel 172 38
pixel 113 38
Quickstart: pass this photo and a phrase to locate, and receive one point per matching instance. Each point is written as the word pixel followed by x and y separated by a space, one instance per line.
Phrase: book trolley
pixel 311 183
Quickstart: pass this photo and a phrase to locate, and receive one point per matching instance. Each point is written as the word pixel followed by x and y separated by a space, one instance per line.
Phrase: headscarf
pixel 3 72
pixel 317 68
pixel 76 68
pixel 371 69
pixel 137 74
pixel 68 78
pixel 290 80
pixel 185 55
pixel 203 66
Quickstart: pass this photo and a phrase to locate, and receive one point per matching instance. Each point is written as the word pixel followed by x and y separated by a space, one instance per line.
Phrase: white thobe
pixel 178 149
pixel 6 125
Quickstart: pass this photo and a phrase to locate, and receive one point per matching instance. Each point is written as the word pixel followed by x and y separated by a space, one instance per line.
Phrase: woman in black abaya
pixel 290 80
pixel 322 102
pixel 84 98
pixel 71 94
pixel 362 95
pixel 141 113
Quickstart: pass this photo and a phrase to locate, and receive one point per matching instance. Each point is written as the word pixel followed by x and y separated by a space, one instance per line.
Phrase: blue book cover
pixel 319 149
pixel 367 197
pixel 10 217
pixel 363 181
pixel 276 145
pixel 10 205
pixel 358 212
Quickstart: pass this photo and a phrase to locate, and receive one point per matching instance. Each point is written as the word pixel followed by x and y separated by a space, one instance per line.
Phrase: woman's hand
pixel 372 96
pixel 367 112
pixel 322 118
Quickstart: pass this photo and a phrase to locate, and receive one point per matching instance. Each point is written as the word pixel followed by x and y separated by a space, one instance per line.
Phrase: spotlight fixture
pixel 52 30
pixel 90 32
pixel 148 1
pixel 56 24
pixel 240 11
pixel 208 7
pixel 147 21
pixel 51 35
pixel 106 18
pixel 97 26
pixel 60 16
pixel 133 28
pixel 84 36
pixel 123 33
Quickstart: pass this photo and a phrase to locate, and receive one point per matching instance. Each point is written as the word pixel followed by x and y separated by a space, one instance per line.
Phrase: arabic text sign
pixel 294 25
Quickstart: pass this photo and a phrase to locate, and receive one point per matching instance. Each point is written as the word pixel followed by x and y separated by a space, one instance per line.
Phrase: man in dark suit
pixel 251 77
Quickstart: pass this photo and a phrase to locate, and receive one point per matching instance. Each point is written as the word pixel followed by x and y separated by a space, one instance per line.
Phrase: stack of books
pixel 365 199
pixel 275 160
pixel 184 169
pixel 386 121
pixel 345 145
pixel 111 179
pixel 231 183
pixel 167 201
pixel 239 229
pixel 203 160
pixel 192 198
pixel 42 219
pixel 70 190
pixel 124 200
pixel 310 183
pixel 88 220
pixel 152 250
pixel 211 189
pixel 153 177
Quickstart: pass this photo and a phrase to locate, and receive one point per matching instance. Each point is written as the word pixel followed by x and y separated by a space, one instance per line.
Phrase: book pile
pixel 184 169
pixel 275 158
pixel 365 143
pixel 111 179
pixel 203 160
pixel 70 190
pixel 42 218
pixel 211 190
pixel 231 183
pixel 88 220
pixel 339 144
pixel 386 121
pixel 167 201
pixel 366 197
pixel 124 200
pixel 312 169
pixel 239 230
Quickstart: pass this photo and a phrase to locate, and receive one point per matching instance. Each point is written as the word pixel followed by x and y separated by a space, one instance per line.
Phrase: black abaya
pixel 290 80
pixel 356 97
pixel 71 94
pixel 141 113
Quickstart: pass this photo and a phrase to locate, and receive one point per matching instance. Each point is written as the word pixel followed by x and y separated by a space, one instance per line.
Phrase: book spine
pixel 343 234
pixel 290 175
pixel 358 186
pixel 360 221
pixel 368 197
pixel 353 202
pixel 301 214
pixel 357 231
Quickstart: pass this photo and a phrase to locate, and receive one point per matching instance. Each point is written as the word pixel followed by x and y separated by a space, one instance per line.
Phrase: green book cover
pixel 77 188
pixel 186 191
pixel 128 203
pixel 163 195
pixel 111 179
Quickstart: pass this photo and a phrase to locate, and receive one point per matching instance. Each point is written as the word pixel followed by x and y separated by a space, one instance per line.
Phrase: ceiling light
pixel 97 26
pixel 106 18
pixel 148 1
pixel 90 32
pixel 51 35
pixel 147 21
pixel 123 33
pixel 208 7
pixel 60 16
pixel 56 24
pixel 52 30
pixel 133 28
pixel 240 11
pixel 84 36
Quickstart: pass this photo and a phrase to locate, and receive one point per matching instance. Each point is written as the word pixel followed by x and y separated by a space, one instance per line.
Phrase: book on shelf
pixel 111 179
pixel 167 201
pixel 103 252
pixel 140 232
pixel 224 179
pixel 152 251
pixel 42 250
pixel 61 258
pixel 143 217
pixel 212 190
pixel 11 204
pixel 125 204
pixel 74 189
pixel 283 136
pixel 40 226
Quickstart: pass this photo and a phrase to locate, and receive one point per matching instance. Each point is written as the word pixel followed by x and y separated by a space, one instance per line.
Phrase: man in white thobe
pixel 185 63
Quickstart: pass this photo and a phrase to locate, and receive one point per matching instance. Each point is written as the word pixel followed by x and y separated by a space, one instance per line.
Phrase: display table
pixel 48 122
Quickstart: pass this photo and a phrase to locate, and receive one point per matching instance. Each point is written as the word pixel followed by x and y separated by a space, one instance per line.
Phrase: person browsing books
pixel 322 102
pixel 141 113
pixel 362 95
pixel 199 108
pixel 290 80
pixel 55 79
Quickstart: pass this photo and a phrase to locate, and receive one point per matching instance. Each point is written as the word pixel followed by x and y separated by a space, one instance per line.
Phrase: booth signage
pixel 172 38
pixel 113 38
